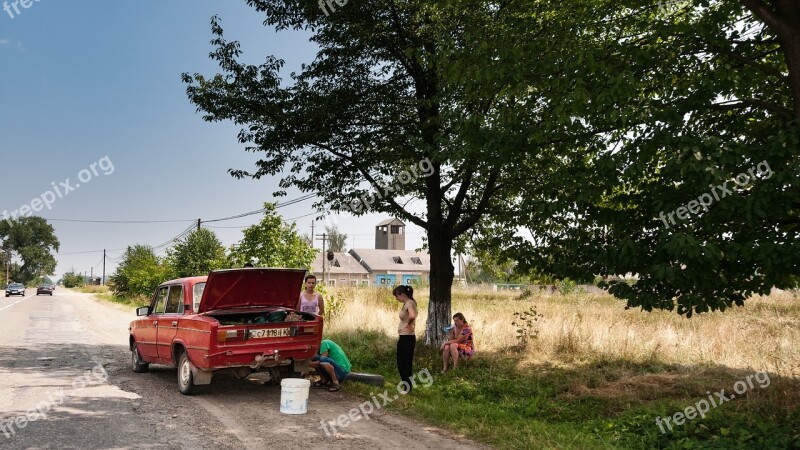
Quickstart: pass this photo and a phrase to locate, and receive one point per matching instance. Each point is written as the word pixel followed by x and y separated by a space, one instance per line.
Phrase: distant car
pixel 15 289
pixel 45 289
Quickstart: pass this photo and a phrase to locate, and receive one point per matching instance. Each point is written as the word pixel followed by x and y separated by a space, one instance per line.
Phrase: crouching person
pixel 331 364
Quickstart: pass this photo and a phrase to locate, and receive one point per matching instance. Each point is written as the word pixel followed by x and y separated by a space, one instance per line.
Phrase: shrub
pixel 527 327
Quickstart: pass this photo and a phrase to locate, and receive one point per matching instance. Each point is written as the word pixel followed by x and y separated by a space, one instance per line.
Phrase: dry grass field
pixel 596 375
pixel 762 335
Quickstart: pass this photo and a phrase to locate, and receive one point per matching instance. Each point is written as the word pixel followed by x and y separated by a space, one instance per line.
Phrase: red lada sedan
pixel 239 321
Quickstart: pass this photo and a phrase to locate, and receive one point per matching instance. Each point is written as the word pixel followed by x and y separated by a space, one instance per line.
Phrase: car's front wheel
pixel 185 378
pixel 137 364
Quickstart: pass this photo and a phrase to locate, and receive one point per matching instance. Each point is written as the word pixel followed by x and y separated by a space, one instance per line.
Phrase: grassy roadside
pixel 600 404
pixel 596 377
pixel 103 293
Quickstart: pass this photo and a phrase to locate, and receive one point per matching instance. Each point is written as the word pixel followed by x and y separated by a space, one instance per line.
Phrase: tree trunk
pixel 783 17
pixel 791 49
pixel 441 288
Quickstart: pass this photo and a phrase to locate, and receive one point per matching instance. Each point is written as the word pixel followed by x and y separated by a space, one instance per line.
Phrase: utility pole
pixel 312 233
pixel 8 266
pixel 198 224
pixel 91 276
pixel 324 239
pixel 104 268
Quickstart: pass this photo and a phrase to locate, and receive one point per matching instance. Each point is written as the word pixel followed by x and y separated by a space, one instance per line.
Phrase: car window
pixel 160 300
pixel 174 300
pixel 197 294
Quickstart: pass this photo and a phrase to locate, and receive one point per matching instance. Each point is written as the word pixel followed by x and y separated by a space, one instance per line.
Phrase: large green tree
pixel 139 272
pixel 273 243
pixel 197 254
pixel 391 110
pixel 33 240
pixel 695 188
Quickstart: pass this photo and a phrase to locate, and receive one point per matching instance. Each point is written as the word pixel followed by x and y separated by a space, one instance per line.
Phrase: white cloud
pixel 5 42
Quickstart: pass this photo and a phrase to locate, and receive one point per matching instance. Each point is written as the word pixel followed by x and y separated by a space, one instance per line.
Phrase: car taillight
pixel 224 335
pixel 306 330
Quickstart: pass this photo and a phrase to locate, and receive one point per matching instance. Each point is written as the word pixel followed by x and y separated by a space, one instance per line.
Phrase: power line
pixel 180 235
pixel 237 216
pixel 183 233
pixel 117 221
pixel 90 251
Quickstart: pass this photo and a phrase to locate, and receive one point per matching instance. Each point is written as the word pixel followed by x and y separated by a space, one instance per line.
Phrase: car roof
pixel 191 280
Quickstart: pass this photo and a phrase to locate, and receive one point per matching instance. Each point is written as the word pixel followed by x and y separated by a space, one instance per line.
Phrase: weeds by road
pixel 104 293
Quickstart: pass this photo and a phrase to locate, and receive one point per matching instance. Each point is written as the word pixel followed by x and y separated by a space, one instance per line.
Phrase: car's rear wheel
pixel 137 364
pixel 185 379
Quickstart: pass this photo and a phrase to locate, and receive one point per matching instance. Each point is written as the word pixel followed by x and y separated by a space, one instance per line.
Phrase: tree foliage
pixel 384 115
pixel 272 243
pixel 700 96
pixel 72 280
pixel 557 135
pixel 197 254
pixel 336 239
pixel 33 240
pixel 139 272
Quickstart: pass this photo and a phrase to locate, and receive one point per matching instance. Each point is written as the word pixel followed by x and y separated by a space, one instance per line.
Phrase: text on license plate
pixel 269 332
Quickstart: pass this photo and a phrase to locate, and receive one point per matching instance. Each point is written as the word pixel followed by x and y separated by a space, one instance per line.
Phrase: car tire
pixel 367 378
pixel 137 364
pixel 185 378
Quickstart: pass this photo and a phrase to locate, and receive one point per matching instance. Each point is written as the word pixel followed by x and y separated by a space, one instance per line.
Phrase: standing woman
pixel 408 339
pixel 311 301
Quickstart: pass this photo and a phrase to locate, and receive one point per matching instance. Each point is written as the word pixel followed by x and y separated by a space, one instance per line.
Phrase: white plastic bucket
pixel 294 395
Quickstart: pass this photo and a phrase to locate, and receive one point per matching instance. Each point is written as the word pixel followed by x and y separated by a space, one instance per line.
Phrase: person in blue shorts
pixel 331 364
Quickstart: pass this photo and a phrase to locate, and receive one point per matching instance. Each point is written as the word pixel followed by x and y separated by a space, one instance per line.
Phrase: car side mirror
pixel 143 311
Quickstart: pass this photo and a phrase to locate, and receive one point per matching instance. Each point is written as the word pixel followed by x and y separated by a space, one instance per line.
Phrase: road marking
pixel 16 302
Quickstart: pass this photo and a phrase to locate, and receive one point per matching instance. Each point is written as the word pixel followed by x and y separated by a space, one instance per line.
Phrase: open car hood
pixel 239 288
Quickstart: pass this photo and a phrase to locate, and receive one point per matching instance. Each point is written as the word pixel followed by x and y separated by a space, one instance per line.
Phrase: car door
pixel 168 322
pixel 147 328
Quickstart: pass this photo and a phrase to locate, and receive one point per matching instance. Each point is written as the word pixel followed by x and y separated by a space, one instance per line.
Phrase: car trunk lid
pixel 244 288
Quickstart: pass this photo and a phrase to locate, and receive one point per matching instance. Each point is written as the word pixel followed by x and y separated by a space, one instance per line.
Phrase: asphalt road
pixel 65 382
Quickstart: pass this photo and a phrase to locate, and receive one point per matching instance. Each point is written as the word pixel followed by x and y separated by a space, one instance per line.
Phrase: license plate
pixel 269 333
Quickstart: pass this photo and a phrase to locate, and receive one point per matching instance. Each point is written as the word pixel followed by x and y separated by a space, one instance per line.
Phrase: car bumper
pixel 256 358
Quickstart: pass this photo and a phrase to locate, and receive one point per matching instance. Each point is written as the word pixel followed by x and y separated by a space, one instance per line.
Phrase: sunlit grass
pixel 597 376
pixel 581 327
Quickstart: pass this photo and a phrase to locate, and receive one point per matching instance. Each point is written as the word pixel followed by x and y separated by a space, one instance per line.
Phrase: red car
pixel 239 321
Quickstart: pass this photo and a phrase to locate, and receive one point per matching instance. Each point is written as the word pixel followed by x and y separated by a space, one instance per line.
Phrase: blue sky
pixel 84 81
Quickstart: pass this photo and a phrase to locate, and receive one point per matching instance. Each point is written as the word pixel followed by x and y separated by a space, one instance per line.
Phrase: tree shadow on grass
pixel 600 403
